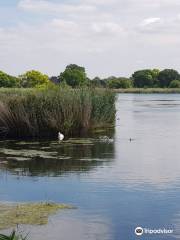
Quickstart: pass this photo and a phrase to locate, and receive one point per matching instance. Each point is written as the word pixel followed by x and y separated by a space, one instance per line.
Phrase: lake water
pixel 116 186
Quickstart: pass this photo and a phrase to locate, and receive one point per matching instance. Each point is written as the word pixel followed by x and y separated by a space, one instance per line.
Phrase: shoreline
pixel 147 90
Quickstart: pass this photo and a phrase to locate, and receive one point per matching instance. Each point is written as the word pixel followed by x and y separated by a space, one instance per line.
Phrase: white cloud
pixel 178 17
pixel 160 26
pixel 107 27
pixel 50 46
pixel 91 33
pixel 149 21
pixel 151 25
pixel 64 25
pixel 42 6
pixel 100 2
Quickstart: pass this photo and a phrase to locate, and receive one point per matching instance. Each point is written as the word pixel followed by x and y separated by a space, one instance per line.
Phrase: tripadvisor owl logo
pixel 139 231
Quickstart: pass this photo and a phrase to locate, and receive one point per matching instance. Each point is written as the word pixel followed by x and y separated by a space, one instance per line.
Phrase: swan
pixel 60 136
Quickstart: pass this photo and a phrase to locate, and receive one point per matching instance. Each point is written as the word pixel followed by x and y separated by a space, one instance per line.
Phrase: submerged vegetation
pixel 28 213
pixel 45 112
pixel 49 158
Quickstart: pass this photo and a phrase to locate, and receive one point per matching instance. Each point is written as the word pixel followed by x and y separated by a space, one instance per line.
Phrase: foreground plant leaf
pixel 13 236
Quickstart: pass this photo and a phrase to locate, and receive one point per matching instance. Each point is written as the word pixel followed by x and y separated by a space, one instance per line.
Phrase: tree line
pixel 75 76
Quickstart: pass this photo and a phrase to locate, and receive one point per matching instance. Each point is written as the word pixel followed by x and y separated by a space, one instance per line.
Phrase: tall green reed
pixel 45 112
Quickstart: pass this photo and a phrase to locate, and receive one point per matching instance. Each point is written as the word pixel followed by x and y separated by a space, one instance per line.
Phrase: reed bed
pixel 45 112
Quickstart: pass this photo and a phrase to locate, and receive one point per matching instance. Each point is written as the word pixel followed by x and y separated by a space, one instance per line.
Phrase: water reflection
pixel 116 186
pixel 54 158
pixel 153 157
pixel 70 226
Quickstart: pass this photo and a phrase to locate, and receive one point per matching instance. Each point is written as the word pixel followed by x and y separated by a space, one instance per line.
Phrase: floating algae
pixel 78 141
pixel 27 153
pixel 19 158
pixel 27 143
pixel 28 213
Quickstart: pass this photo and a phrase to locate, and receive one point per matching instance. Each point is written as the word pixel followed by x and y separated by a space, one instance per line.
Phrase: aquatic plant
pixel 12 236
pixel 28 213
pixel 45 112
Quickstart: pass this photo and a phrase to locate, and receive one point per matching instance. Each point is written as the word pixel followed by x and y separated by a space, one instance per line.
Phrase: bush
pixel 33 79
pixel 167 76
pixel 8 81
pixel 119 83
pixel 145 78
pixel 97 82
pixel 175 84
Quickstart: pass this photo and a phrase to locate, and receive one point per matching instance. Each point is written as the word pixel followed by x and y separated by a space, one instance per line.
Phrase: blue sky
pixel 108 37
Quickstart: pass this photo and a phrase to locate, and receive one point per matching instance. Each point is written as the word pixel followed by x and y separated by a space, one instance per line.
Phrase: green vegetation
pixel 175 84
pixel 142 79
pixel 166 76
pixel 8 81
pixel 53 159
pixel 155 79
pixel 33 79
pixel 28 213
pixel 12 236
pixel 39 106
pixel 148 90
pixel 75 76
pixel 45 112
pixel 145 78
pixel 97 82
pixel 119 83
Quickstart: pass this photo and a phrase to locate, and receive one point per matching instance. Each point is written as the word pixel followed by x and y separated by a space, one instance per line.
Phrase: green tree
pixel 145 78
pixel 167 76
pixel 97 82
pixel 8 81
pixel 155 74
pixel 74 75
pixel 119 83
pixel 33 79
pixel 175 84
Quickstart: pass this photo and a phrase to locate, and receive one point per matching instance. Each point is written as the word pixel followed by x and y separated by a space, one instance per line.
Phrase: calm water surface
pixel 116 186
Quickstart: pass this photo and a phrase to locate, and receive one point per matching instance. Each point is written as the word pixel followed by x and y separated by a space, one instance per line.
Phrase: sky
pixel 107 37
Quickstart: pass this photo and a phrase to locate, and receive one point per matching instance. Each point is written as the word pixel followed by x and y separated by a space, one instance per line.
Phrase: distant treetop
pixel 75 76
pixel 33 79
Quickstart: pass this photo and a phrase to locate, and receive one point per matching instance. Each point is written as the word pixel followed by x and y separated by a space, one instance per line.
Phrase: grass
pixel 148 90
pixel 29 213
pixel 43 113
pixel 12 236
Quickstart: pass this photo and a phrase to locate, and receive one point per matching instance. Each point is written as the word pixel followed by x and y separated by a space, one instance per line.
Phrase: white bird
pixel 106 139
pixel 60 136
